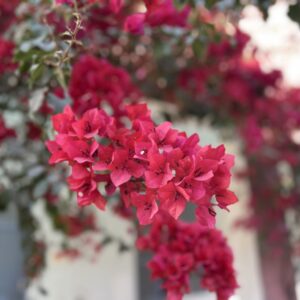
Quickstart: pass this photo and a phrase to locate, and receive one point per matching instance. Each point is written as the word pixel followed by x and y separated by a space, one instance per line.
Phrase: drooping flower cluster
pixel 158 12
pixel 102 82
pixel 181 249
pixel 156 168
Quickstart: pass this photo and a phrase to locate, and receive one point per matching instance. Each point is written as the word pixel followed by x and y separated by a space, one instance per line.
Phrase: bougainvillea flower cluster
pixel 181 249
pixel 102 82
pixel 158 12
pixel 156 168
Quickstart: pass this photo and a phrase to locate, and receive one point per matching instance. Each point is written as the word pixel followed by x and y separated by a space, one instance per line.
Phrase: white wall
pixel 108 275
pixel 11 258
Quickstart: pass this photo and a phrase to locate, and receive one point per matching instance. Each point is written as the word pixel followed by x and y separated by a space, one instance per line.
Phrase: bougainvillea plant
pixel 153 169
pixel 85 69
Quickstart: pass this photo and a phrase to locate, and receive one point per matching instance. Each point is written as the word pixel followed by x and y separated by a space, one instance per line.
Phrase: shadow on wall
pixel 11 260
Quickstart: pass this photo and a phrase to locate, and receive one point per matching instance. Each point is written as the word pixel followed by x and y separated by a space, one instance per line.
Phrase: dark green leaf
pixel 294 12
pixel 199 49
pixel 36 73
pixel 210 3
pixel 5 198
pixel 123 247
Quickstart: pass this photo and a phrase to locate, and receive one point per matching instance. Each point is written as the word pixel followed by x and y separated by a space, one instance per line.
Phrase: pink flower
pixel 105 156
pixel 144 150
pixel 164 137
pixel 92 123
pixel 189 145
pixel 182 165
pixel 135 23
pixel 206 217
pixel 80 151
pixel 194 189
pixel 225 198
pixel 159 172
pixel 127 189
pixel 57 154
pixel 146 207
pixel 83 183
pixel 116 5
pixel 173 199
pixel 122 168
pixel 62 122
pixel 139 111
pixel 159 12
pixel 205 168
pixel 163 12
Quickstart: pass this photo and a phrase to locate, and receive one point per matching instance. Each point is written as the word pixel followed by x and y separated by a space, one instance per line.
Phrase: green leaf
pixel 294 12
pixel 199 49
pixel 107 240
pixel 123 247
pixel 36 72
pixel 210 3
pixel 180 3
